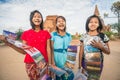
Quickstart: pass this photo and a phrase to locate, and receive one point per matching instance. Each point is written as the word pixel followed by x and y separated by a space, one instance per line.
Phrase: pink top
pixel 37 40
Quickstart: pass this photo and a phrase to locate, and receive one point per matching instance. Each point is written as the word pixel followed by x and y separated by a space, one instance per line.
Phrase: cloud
pixel 15 13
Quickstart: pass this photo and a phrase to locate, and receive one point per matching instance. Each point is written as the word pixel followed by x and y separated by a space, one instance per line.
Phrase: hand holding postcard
pixel 32 51
pixel 59 72
pixel 81 75
pixel 11 37
pixel 93 55
pixel 36 55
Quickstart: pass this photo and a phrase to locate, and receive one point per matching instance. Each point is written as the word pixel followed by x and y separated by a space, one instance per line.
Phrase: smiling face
pixel 37 19
pixel 93 24
pixel 61 24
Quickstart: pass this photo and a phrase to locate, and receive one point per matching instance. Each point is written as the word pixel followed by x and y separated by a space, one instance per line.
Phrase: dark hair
pixel 31 17
pixel 63 19
pixel 100 23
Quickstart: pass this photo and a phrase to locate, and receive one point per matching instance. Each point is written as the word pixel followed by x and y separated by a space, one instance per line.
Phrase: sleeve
pixel 24 36
pixel 106 39
pixel 70 37
pixel 48 35
pixel 52 36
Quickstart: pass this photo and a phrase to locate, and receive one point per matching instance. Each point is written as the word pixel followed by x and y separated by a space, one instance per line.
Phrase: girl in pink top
pixel 34 37
pixel 38 38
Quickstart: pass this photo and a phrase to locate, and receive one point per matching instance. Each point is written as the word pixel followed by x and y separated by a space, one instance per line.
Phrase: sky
pixel 14 14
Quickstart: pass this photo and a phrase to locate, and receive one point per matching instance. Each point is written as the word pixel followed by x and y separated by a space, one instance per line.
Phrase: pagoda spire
pixel 96 12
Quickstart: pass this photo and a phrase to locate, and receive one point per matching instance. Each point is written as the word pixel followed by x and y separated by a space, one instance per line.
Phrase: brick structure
pixel 105 27
pixel 50 23
pixel 96 12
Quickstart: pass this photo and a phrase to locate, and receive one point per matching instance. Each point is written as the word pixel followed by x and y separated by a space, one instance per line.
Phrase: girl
pixel 38 38
pixel 34 37
pixel 60 41
pixel 93 43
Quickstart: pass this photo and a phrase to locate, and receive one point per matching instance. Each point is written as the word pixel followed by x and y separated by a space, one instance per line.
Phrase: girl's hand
pixel 53 63
pixel 26 46
pixel 2 37
pixel 97 44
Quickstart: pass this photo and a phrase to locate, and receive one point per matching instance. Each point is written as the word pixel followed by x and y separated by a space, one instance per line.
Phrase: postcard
pixel 59 72
pixel 11 37
pixel 71 56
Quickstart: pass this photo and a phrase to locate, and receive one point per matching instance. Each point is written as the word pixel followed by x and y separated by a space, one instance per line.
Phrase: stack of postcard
pixel 71 56
pixel 57 71
pixel 35 54
pixel 11 37
pixel 93 61
pixel 81 75
pixel 32 51
pixel 92 54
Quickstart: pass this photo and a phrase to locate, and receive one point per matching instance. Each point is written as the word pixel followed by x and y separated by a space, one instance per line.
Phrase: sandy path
pixel 12 66
pixel 112 63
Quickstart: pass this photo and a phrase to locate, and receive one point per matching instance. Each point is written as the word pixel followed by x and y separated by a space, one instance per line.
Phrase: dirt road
pixel 111 69
pixel 12 66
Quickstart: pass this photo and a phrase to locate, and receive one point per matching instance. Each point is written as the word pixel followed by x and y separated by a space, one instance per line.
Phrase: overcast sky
pixel 14 14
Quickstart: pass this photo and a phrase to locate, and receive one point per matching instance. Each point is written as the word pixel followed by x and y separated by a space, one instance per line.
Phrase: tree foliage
pixel 116 10
pixel 19 32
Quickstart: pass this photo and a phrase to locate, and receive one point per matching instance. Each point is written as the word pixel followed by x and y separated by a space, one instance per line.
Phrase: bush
pixel 108 33
pixel 76 37
pixel 19 32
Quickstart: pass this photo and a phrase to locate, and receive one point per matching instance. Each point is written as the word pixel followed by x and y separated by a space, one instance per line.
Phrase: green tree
pixel 115 8
pixel 19 32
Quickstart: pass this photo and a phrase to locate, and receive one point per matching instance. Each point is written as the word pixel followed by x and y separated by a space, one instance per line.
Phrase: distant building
pixel 50 23
pixel 96 12
pixel 105 27
pixel 76 35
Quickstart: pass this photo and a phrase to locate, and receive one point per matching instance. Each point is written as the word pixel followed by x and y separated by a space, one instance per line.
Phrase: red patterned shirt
pixel 37 40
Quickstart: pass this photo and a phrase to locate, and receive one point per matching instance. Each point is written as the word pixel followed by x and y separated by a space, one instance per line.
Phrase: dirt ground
pixel 111 69
pixel 12 65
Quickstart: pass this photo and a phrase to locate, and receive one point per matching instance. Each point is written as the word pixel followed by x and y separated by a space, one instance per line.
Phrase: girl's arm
pixel 49 51
pixel 52 52
pixel 105 50
pixel 11 45
pixel 99 45
pixel 81 51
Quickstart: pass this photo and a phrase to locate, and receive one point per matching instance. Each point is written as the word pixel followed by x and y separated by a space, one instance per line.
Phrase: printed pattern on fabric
pixel 93 57
pixel 32 71
pixel 37 40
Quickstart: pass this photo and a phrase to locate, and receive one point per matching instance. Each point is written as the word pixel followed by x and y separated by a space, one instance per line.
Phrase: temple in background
pixel 105 27
pixel 50 23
